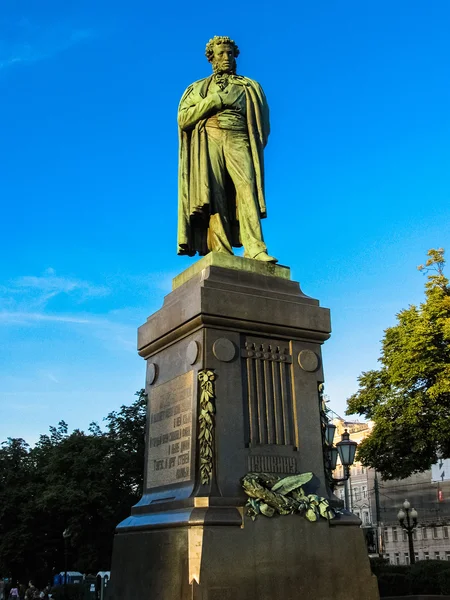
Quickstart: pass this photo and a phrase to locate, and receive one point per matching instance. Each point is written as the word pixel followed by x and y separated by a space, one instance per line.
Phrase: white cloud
pixel 11 317
pixel 25 300
pixel 29 42
pixel 50 285
pixel 52 377
pixel 160 280
pixel 27 296
pixel 45 374
pixel 109 332
pixel 34 301
pixel 26 407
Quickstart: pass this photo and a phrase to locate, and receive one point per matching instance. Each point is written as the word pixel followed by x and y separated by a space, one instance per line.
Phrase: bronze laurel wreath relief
pixel 206 424
pixel 269 494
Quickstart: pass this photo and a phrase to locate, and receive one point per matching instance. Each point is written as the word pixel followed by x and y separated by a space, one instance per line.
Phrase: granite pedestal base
pixel 269 559
pixel 250 331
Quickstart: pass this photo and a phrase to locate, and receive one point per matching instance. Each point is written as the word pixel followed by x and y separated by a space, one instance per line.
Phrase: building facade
pixel 376 502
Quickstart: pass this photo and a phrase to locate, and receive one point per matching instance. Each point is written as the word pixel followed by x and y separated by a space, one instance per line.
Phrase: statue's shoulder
pixel 250 82
pixel 201 82
pixel 196 87
pixel 257 91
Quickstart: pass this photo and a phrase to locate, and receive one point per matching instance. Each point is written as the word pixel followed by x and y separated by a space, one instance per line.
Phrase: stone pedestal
pixel 254 338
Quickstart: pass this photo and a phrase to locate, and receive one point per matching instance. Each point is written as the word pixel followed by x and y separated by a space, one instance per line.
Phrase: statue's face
pixel 223 60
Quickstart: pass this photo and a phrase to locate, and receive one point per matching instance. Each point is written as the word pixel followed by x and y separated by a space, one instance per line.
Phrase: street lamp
pixel 329 433
pixel 66 535
pixel 346 449
pixel 407 513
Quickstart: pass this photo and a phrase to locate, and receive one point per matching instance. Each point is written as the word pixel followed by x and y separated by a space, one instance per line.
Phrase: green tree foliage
pixel 408 398
pixel 16 470
pixel 85 482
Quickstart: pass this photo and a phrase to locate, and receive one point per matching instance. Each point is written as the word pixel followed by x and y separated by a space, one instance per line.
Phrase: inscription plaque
pixel 170 432
pixel 272 464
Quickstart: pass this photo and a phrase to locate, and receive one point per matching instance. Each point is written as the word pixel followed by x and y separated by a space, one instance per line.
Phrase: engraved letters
pixel 170 432
pixel 272 464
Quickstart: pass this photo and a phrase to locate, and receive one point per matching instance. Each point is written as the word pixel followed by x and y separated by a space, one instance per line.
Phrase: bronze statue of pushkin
pixel 223 128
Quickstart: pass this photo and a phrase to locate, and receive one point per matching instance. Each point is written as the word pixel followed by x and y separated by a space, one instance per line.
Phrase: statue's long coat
pixel 193 180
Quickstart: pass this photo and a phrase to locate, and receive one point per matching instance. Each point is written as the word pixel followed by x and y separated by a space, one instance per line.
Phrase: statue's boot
pixel 263 256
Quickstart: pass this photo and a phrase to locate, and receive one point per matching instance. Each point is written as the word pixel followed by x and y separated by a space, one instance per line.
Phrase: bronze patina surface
pixel 227 261
pixel 223 128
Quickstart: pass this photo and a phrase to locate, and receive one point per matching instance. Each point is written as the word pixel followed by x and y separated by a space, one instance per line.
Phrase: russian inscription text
pixel 272 464
pixel 170 432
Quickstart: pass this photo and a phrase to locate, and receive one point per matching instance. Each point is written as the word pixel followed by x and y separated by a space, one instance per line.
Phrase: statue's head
pixel 221 51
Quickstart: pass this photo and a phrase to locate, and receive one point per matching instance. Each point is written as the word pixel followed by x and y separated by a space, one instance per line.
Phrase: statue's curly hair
pixel 220 39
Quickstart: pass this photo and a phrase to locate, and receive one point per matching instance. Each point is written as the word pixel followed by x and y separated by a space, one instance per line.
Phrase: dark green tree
pixel 127 428
pixel 85 482
pixel 408 398
pixel 16 520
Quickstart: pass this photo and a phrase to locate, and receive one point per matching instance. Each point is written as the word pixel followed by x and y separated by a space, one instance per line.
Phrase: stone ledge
pixel 228 261
pixel 185 517
pixel 420 597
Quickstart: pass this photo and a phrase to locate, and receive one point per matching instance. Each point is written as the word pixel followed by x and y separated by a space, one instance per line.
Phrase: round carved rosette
pixel 224 350
pixel 152 373
pixel 308 360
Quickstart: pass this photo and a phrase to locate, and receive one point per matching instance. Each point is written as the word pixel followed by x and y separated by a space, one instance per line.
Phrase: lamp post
pixel 66 536
pixel 345 449
pixel 329 433
pixel 410 515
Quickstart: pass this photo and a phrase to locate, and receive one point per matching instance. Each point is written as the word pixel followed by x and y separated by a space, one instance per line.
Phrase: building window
pixel 406 558
pixel 426 556
pixel 364 491
pixel 356 512
pixel 356 494
pixel 435 533
pixel 405 536
pixel 445 529
pixel 415 534
pixel 424 533
pixel 394 534
pixel 397 558
pixel 386 534
pixel 416 554
pixel 437 556
pixel 447 555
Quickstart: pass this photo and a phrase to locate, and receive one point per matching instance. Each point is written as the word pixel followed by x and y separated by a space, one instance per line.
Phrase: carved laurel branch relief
pixel 206 424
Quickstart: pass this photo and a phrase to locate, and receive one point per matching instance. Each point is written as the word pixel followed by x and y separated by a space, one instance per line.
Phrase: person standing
pixel 32 592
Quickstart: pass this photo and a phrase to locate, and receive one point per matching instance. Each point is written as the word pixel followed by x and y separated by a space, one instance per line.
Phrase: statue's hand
pixel 230 95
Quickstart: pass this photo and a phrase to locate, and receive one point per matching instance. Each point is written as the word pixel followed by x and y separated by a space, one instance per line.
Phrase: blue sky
pixel 357 178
